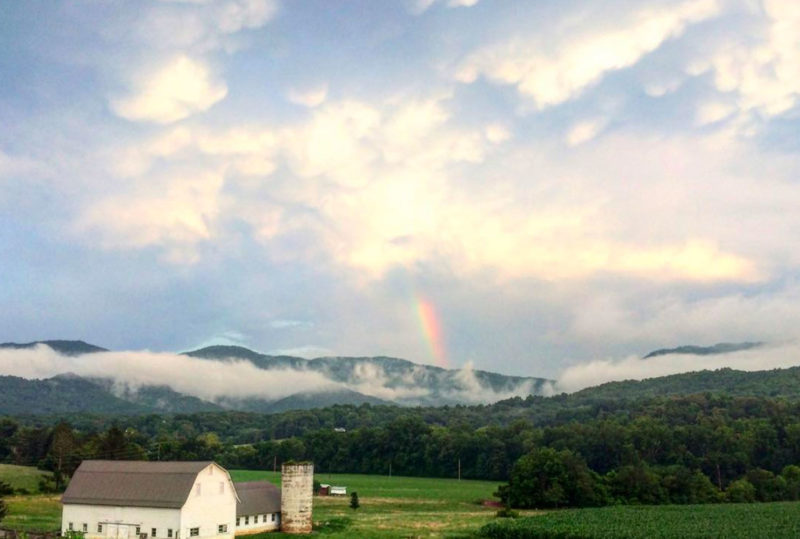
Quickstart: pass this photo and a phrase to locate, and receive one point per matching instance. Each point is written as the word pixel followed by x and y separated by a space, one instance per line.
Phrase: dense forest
pixel 677 449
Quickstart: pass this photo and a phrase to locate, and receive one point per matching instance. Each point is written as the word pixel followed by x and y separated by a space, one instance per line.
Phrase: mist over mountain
pixel 232 378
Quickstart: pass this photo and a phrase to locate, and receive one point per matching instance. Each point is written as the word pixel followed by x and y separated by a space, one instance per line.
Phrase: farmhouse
pixel 178 500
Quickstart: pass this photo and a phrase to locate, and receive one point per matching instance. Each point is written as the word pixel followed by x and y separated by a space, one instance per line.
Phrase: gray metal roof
pixel 257 498
pixel 133 483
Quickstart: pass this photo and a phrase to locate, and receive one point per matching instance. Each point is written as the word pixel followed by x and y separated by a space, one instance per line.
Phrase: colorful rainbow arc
pixel 432 331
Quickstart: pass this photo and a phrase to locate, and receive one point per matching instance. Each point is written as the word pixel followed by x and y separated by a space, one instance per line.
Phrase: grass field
pixel 21 477
pixel 396 506
pixel 729 521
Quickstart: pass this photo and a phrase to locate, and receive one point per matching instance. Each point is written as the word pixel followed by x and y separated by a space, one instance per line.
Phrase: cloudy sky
pixel 522 185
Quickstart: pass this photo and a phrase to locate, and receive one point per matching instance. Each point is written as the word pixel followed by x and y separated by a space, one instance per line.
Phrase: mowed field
pixel 396 506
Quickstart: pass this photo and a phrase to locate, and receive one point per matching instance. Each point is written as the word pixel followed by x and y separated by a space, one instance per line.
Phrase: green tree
pixel 549 478
pixel 741 491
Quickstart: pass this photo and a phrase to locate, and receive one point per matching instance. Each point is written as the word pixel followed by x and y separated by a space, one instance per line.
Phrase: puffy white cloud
pixel 173 91
pixel 551 69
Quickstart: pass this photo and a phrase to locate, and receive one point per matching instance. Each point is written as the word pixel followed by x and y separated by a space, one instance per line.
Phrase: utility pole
pixel 459 469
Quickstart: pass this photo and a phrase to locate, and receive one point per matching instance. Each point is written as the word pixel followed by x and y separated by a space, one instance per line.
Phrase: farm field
pixel 421 507
pixel 396 506
pixel 714 521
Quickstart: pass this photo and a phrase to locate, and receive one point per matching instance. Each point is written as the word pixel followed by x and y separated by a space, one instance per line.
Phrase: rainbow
pixel 432 331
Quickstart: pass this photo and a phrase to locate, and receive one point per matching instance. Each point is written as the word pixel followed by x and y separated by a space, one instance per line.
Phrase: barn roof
pixel 257 498
pixel 133 483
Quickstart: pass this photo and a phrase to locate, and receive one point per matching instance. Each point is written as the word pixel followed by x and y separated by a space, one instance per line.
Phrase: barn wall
pixel 122 520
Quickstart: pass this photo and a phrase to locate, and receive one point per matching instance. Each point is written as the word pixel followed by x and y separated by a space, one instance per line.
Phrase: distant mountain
pixel 412 383
pixel 353 380
pixel 303 401
pixel 63 394
pixel 719 348
pixel 771 383
pixel 68 348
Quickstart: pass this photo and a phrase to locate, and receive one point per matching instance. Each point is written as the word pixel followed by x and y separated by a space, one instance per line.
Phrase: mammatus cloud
pixel 171 92
pixel 309 97
pixel 550 69
pixel 597 372
pixel 418 7
pixel 765 77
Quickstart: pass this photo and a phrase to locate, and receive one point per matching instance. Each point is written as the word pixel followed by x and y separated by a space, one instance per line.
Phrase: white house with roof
pixel 169 500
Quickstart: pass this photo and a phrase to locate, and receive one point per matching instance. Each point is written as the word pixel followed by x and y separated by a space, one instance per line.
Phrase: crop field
pixel 730 521
pixel 21 477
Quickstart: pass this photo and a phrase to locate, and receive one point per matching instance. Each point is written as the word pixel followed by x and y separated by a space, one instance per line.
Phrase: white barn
pixel 165 500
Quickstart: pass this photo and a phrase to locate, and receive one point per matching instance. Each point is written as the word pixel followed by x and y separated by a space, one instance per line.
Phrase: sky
pixel 521 186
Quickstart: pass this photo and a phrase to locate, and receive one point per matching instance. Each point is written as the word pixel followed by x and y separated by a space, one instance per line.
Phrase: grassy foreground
pixel 723 521
pixel 21 477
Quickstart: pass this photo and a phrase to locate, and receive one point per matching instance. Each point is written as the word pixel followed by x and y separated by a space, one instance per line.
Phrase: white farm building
pixel 173 500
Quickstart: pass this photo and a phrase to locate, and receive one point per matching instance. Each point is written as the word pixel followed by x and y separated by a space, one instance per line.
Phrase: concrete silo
pixel 297 495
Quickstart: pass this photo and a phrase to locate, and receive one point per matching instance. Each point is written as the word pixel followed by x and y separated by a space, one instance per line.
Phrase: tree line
pixel 651 450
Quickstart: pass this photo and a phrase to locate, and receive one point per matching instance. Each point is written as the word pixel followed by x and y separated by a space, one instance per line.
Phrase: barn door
pixel 123 532
pixel 111 531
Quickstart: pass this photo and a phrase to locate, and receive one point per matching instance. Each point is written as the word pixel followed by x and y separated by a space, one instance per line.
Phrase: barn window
pixel 85 527
pixel 222 528
pixel 152 532
pixel 273 517
pixel 169 532
pixel 238 521
pixel 194 532
pixel 246 521
pixel 138 530
pixel 70 527
pixel 99 528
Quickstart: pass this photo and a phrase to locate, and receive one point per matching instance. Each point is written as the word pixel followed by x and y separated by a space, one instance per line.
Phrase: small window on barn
pixel 169 532
pixel 222 528
pixel 152 532
pixel 246 521
pixel 99 528
pixel 138 530
pixel 194 532
pixel 238 521
pixel 71 527
pixel 273 517
pixel 85 527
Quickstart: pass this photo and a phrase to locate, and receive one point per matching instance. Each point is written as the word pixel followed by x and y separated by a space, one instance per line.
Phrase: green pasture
pixel 21 477
pixel 396 506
